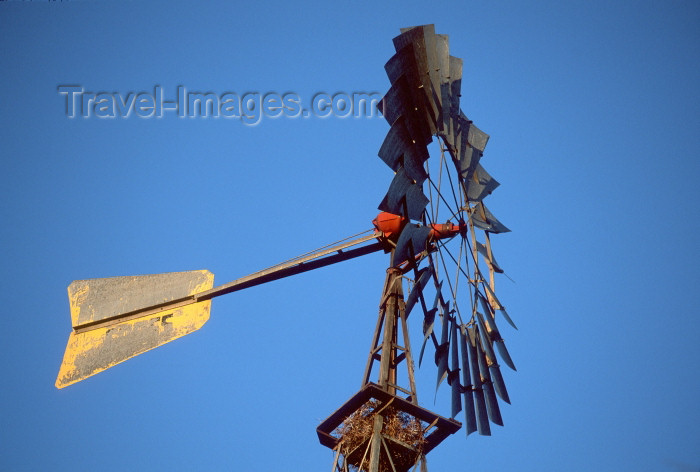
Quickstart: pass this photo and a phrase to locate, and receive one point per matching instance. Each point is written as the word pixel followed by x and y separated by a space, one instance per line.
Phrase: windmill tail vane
pixel 117 318
pixel 447 264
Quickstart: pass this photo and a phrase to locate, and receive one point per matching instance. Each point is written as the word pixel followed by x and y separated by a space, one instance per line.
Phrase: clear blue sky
pixel 593 111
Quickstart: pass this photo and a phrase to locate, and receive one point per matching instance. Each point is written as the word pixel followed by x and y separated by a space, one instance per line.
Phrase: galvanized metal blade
pixel 398 101
pixel 485 305
pixel 421 38
pixel 476 138
pixel 498 384
pixel 395 101
pixel 482 421
pixel 404 197
pixel 402 65
pixel 503 352
pixel 503 312
pixel 442 51
pixel 453 377
pixel 429 321
pixel 485 339
pixel 414 157
pixel 432 55
pixel 429 318
pixel 481 185
pixel 494 335
pixel 412 240
pixel 468 155
pixel 456 65
pixel 483 250
pixel 391 150
pixel 442 352
pixel 468 160
pixel 490 319
pixel 494 412
pixel 423 277
pixel 468 388
pixel 399 149
pixel 499 306
pixel 456 392
pixel 484 219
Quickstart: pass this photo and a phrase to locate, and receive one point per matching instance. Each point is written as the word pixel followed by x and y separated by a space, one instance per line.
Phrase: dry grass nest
pixel 398 425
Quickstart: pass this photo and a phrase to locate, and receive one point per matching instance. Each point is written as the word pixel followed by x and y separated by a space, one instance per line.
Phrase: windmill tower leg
pixel 385 348
pixel 382 428
pixel 389 353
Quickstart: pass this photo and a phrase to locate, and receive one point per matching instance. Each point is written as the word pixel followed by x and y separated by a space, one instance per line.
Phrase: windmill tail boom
pixel 117 318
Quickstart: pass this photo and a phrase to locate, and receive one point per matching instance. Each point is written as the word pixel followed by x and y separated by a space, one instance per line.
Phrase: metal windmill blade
pixel 482 421
pixel 453 376
pixel 467 386
pixel 425 97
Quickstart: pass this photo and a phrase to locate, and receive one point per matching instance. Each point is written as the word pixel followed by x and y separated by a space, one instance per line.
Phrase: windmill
pixel 436 230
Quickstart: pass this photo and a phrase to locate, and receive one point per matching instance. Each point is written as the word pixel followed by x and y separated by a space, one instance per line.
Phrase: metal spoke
pixel 442 198
pixel 449 176
pixel 449 283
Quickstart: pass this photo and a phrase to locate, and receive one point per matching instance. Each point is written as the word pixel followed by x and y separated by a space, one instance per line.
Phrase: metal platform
pixel 438 427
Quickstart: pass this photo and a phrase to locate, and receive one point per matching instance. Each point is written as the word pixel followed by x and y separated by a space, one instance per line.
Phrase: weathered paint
pixel 96 299
pixel 91 352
